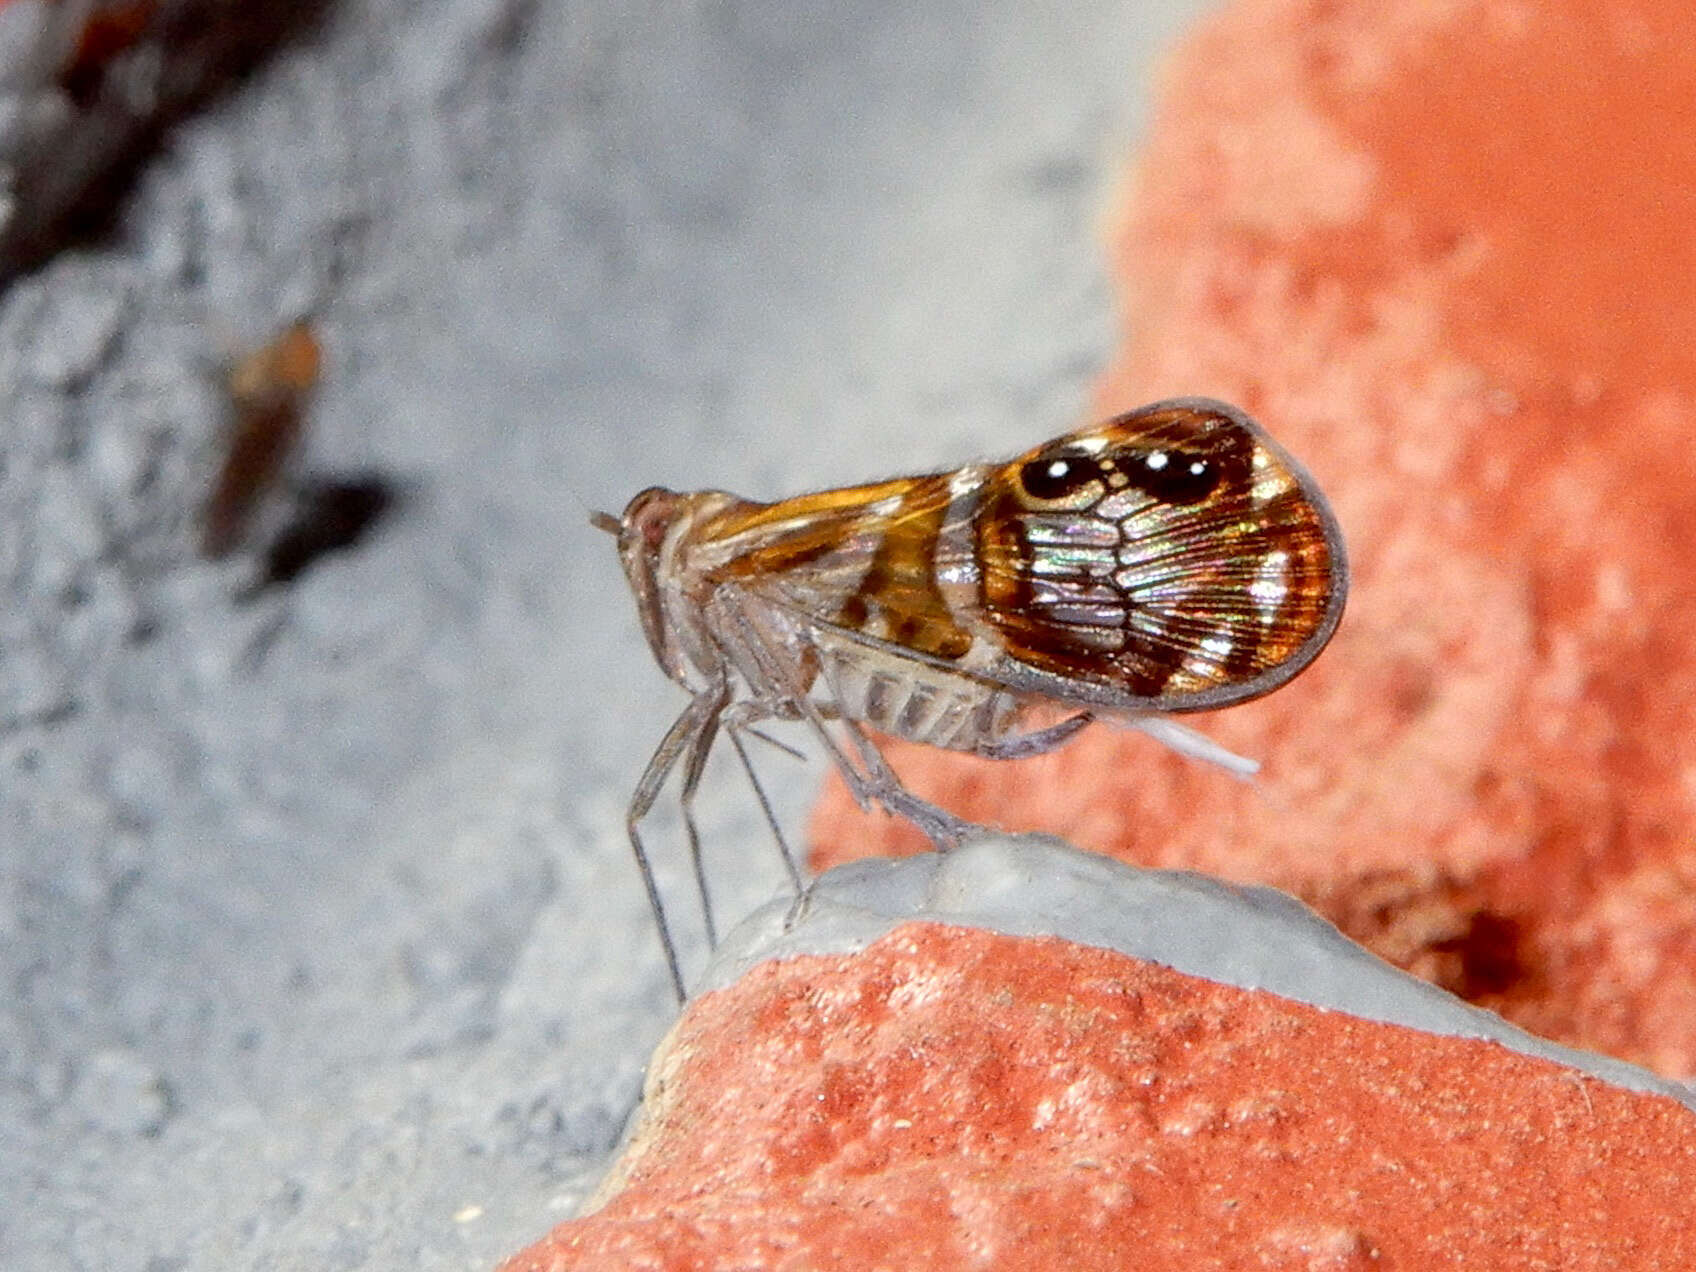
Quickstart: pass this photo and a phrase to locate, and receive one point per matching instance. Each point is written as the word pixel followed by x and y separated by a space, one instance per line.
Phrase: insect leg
pixel 698 748
pixel 774 678
pixel 770 741
pixel 878 783
pixel 734 732
pixel 1043 740
pixel 697 717
pixel 881 784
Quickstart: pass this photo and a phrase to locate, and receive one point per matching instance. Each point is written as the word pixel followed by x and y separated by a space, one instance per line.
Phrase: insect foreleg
pixel 697 718
pixel 698 747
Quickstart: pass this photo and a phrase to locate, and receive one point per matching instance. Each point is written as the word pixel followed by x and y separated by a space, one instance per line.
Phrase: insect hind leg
pixel 880 783
pixel 1022 745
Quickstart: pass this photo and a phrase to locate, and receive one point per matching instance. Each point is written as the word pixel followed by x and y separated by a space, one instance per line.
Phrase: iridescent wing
pixel 1171 559
pixel 1175 555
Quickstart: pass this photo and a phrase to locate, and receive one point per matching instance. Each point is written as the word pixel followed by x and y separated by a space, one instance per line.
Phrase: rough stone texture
pixel 959 1098
pixel 1444 252
pixel 1034 885
pixel 86 86
pixel 320 944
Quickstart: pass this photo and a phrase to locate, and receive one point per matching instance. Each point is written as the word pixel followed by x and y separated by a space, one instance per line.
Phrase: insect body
pixel 1169 560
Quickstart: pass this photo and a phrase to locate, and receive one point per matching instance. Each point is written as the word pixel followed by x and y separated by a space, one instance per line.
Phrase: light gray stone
pixel 1035 885
pixel 343 861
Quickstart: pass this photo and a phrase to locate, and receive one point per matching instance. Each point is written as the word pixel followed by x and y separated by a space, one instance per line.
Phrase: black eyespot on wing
pixel 1057 477
pixel 1173 476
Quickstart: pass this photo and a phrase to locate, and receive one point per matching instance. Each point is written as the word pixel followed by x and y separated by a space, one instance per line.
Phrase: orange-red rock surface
pixel 955 1098
pixel 1445 251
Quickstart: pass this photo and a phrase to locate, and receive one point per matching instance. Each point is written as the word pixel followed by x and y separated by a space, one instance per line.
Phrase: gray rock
pixel 342 860
pixel 1035 885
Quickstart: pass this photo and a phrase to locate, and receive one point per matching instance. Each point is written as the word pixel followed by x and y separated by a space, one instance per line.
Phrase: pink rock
pixel 958 1098
pixel 1444 252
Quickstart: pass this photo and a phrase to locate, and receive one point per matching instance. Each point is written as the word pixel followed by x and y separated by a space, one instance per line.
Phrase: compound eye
pixel 1059 477
pixel 648 516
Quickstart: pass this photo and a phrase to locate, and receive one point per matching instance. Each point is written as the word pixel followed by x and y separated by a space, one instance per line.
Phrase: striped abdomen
pixel 911 699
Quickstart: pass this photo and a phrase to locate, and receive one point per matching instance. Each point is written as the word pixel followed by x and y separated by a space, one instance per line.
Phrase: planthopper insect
pixel 1169 560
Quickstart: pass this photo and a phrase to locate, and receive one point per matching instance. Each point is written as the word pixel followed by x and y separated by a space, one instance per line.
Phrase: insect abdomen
pixel 913 700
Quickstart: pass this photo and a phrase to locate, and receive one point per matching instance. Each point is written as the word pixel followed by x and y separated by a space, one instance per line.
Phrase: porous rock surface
pixel 1443 251
pixel 954 1098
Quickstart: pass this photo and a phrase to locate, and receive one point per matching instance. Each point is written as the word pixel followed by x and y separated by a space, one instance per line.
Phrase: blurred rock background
pixel 320 942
